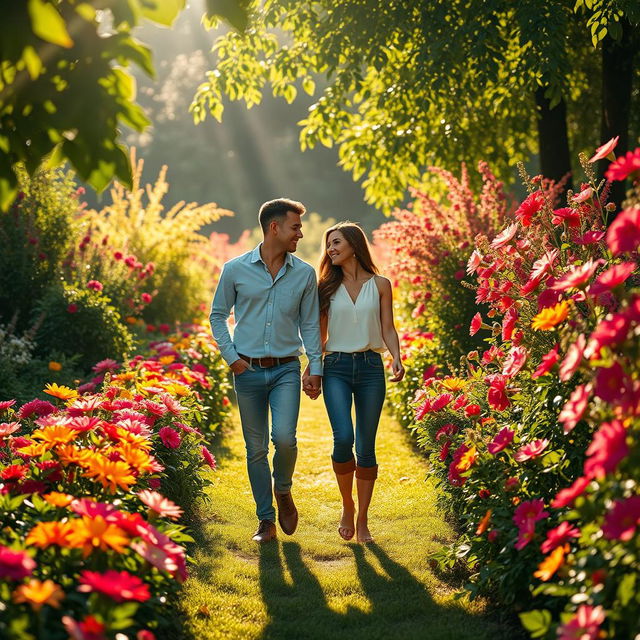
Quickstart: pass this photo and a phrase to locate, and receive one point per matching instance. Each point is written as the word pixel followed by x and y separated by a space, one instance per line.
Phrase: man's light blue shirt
pixel 273 317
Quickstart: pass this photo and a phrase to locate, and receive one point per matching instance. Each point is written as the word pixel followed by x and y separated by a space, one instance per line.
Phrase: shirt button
pixel 268 324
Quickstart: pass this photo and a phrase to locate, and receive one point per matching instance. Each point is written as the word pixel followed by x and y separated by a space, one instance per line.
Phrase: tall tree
pixel 414 83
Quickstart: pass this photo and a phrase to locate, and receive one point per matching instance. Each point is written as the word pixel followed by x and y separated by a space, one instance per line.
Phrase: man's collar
pixel 256 257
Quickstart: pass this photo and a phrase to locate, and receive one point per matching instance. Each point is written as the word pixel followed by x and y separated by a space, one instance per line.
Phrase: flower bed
pixel 535 439
pixel 96 484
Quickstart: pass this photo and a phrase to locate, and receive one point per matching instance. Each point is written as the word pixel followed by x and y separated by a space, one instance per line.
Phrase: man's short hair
pixel 277 209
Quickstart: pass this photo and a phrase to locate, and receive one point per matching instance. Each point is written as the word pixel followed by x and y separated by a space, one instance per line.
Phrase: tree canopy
pixel 413 83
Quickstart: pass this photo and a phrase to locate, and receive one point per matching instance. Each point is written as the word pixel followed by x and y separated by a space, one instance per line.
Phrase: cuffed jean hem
pixel 367 473
pixel 342 468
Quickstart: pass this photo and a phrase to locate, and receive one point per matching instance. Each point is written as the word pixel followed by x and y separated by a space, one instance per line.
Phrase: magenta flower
pixel 208 457
pixel 612 383
pixel 476 324
pixel 37 407
pixel 95 285
pixel 105 365
pixel 559 536
pixel 565 497
pixel 526 533
pixel 15 565
pixel 5 404
pixel 548 361
pixel 590 237
pixel 621 521
pixel 531 450
pixel 530 510
pixel 613 277
pixel 610 331
pixel 607 449
pixel 585 625
pixel 573 358
pixel 501 441
pixel 577 276
pixel 575 407
pixel 441 401
pixel 623 235
pixel 170 437
pixel 146 298
pixel 120 586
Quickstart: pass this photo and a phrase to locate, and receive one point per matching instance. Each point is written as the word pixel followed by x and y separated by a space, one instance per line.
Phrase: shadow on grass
pixel 399 605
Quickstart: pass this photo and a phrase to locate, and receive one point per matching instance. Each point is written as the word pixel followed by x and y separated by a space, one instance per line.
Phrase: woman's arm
pixel 389 333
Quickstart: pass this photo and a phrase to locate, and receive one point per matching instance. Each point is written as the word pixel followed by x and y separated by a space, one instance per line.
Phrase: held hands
pixel 398 370
pixel 311 385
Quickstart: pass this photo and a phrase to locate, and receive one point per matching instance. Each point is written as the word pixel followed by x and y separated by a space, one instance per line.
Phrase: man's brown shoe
pixel 287 512
pixel 266 531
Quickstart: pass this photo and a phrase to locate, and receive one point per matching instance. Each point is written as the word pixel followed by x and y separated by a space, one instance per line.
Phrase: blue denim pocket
pixel 331 358
pixel 374 360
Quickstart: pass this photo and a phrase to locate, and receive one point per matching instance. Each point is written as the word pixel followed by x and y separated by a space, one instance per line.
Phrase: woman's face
pixel 338 249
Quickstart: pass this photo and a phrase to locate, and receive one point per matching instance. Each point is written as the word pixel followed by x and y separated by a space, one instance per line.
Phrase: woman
pixel 356 323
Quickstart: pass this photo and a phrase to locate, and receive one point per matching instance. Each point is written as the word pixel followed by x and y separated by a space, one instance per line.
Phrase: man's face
pixel 289 231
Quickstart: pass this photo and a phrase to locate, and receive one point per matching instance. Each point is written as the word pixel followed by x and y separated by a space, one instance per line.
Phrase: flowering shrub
pixel 90 537
pixel 536 441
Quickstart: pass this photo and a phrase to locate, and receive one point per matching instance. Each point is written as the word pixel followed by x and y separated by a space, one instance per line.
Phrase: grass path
pixel 313 585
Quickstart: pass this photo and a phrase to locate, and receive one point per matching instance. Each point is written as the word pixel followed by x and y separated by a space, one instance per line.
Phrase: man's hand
pixel 312 385
pixel 239 366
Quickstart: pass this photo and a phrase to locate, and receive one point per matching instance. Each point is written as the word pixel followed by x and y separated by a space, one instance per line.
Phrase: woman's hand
pixel 398 370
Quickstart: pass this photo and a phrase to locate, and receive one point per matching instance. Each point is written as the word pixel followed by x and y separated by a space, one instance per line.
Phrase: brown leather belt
pixel 266 363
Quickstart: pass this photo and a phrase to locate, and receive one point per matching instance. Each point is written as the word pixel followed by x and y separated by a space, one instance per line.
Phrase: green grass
pixel 313 585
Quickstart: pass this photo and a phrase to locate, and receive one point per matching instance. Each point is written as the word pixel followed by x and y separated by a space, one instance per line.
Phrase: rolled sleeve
pixel 224 300
pixel 310 325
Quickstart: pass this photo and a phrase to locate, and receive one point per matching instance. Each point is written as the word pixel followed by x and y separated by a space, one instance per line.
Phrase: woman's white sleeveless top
pixel 355 326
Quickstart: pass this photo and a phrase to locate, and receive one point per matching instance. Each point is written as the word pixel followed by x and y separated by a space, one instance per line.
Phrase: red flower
pixel 611 331
pixel 621 521
pixel 14 472
pixel 576 277
pixel 505 236
pixel 509 323
pixel 514 361
pixel 612 383
pixel 623 235
pixel 590 237
pixel 446 430
pixel 612 277
pixel 585 625
pixel 476 323
pixel 567 215
pixel 575 407
pixel 15 565
pixel 529 208
pixel 472 410
pixel 511 484
pixel 496 395
pixel 604 150
pixel 501 441
pixel 95 285
pixel 484 493
pixel 565 497
pixel 559 536
pixel 444 451
pixel 607 449
pixel 531 450
pixel 441 401
pixel 624 166
pixel 573 358
pixel 170 438
pixel 117 585
pixel 72 308
pixel 548 361
pixel 207 457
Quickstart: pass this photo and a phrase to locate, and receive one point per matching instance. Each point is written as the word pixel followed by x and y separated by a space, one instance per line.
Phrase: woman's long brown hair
pixel 331 276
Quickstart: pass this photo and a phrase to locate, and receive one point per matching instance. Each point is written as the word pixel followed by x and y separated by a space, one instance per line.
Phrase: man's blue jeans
pixel 276 388
pixel 347 378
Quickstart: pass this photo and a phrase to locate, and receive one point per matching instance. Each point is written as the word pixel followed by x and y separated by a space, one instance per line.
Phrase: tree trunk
pixel 617 78
pixel 553 139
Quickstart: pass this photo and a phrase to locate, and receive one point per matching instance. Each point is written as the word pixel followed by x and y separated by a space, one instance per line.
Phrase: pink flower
pixel 441 401
pixel 496 394
pixel 418 311
pixel 208 457
pixel 623 235
pixel 7 428
pixel 559 536
pixel 548 361
pixel 583 196
pixel 145 634
pixel 565 497
pixel 170 438
pixel 509 323
pixel 474 262
pixel 95 285
pixel 611 331
pixel 607 449
pixel 446 430
pixel 606 149
pixel 530 510
pixel 15 565
pixel 505 236
pixel 514 361
pixel 105 365
pixel 585 625
pixel 575 407
pixel 590 237
pixel 529 208
pixel 37 407
pixel 161 505
pixel 621 521
pixel 577 276
pixel 624 166
pixel 501 441
pixel 146 298
pixel 612 383
pixel 526 533
pixel 531 450
pixel 573 358
pixel 476 323
pixel 120 586
pixel 612 277
pixel 6 404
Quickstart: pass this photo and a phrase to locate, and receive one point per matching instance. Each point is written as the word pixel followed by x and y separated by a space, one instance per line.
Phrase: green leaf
pixel 536 622
pixel 48 24
pixel 626 589
pixel 232 11
pixel 162 11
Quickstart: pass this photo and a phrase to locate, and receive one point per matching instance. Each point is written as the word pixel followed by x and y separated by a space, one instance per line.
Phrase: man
pixel 275 301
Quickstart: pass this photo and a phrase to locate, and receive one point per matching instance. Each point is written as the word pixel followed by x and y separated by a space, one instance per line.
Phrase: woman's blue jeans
pixel 276 388
pixel 354 378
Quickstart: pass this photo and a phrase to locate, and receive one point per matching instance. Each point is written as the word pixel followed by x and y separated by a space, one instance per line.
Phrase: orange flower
pixel 548 318
pixel 177 389
pixel 131 319
pixel 37 593
pixel 136 439
pixel 60 391
pixel 57 499
pixel 111 474
pixel 55 366
pixel 467 460
pixel 70 454
pixel 484 523
pixel 32 450
pixel 136 458
pixel 551 563
pixel 55 434
pixel 96 533
pixel 45 534
pixel 166 359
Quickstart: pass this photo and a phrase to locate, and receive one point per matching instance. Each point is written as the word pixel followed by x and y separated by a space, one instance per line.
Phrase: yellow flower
pixel 110 473
pixel 548 318
pixel 467 459
pixel 551 563
pixel 124 376
pixel 136 439
pixel 57 499
pixel 37 593
pixel 136 458
pixel 97 533
pixel 33 450
pixel 60 391
pixel 454 384
pixel 177 389
pixel 55 366
pixel 166 359
pixel 55 434
pixel 48 533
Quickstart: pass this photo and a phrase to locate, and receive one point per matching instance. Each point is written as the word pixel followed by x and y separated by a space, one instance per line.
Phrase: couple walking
pixel 278 309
